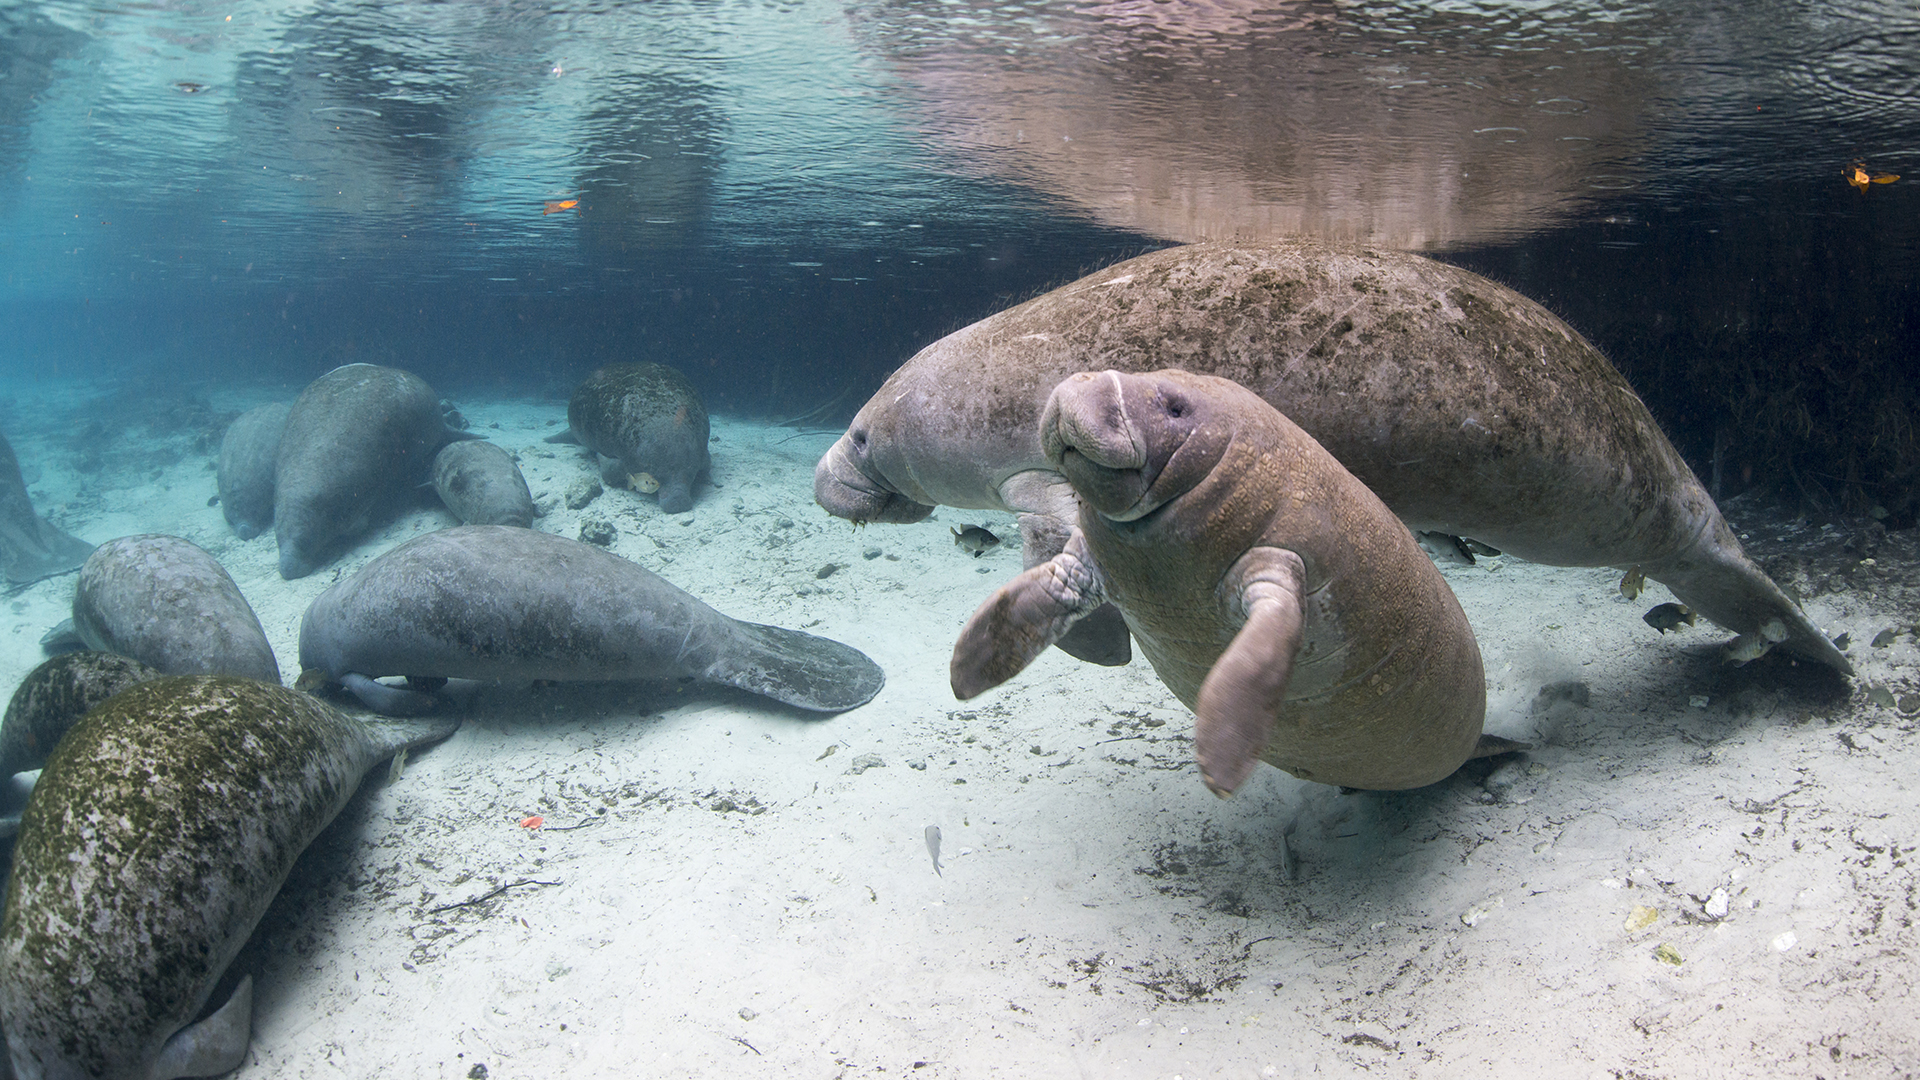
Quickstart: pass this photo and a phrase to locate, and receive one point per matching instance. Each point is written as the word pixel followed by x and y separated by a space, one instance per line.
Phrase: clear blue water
pixel 786 199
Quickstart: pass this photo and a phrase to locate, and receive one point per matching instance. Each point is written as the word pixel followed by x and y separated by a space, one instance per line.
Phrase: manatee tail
pixel 42 552
pixel 214 1046
pixel 1728 588
pixel 798 669
pixel 389 737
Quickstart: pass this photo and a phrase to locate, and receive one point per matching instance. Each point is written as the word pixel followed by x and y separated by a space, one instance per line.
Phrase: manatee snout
pixel 1090 431
pixel 847 485
pixel 676 495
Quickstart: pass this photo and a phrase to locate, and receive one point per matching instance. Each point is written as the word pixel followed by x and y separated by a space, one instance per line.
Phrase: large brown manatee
pixel 1469 409
pixel 1273 593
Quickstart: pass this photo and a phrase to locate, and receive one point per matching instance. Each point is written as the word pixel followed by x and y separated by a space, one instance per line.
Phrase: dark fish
pixel 975 539
pixel 1670 617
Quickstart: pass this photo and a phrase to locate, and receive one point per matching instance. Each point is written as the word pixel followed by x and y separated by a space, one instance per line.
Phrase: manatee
pixel 1469 409
pixel 248 453
pixel 480 483
pixel 163 601
pixel 648 421
pixel 358 440
pixel 161 828
pixel 1273 593
pixel 31 548
pixel 46 704
pixel 496 602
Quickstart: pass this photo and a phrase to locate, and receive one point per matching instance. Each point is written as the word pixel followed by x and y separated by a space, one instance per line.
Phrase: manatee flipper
pixel 1099 637
pixel 1026 615
pixel 564 435
pixel 214 1046
pixel 41 550
pixel 1494 746
pixel 387 700
pixel 1719 581
pixel 1243 693
pixel 63 638
pixel 797 668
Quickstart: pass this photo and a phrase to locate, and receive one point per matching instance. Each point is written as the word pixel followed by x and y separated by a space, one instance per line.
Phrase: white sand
pixel 743 898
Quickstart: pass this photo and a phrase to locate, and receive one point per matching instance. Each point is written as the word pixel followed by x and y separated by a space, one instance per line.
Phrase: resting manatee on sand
pixel 1468 409
pixel 480 483
pixel 248 453
pixel 497 602
pixel 46 704
pixel 649 424
pixel 1273 593
pixel 31 547
pixel 162 827
pixel 163 601
pixel 357 441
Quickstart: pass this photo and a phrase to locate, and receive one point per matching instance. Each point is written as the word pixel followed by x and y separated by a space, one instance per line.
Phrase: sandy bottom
pixel 1700 871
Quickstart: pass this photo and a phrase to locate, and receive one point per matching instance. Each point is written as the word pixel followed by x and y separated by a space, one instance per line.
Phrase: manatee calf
pixel 31 548
pixel 480 483
pixel 650 424
pixel 161 828
pixel 249 452
pixel 1274 594
pixel 165 602
pixel 496 602
pixel 356 442
pixel 1469 409
pixel 45 705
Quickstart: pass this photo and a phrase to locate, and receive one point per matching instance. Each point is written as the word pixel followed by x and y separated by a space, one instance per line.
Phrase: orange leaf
pixel 533 822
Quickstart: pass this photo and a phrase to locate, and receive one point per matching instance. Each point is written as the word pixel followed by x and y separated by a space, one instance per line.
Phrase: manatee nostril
pixel 859 437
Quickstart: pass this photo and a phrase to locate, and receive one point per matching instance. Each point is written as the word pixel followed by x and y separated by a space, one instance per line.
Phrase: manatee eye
pixel 1176 406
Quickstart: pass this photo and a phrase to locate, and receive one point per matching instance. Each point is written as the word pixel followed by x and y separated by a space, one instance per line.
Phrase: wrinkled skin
pixel 1273 593
pixel 1468 409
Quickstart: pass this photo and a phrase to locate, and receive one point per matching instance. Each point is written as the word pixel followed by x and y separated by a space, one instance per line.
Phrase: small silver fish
pixel 933 847
pixel 975 539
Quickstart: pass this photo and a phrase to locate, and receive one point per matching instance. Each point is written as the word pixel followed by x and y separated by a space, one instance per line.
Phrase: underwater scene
pixel 960 538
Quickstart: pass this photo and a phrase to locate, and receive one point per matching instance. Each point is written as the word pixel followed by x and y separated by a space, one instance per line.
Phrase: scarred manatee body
pixel 1469 409
pixel 162 827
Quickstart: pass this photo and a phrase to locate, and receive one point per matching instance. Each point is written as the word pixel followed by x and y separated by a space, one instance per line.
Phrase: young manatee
pixel 161 828
pixel 480 483
pixel 497 602
pixel 649 423
pixel 1274 594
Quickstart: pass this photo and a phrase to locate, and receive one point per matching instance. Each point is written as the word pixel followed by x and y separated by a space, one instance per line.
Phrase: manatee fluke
pixel 496 602
pixel 31 548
